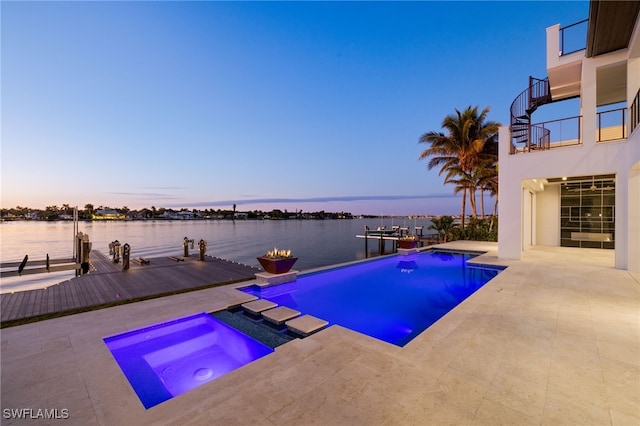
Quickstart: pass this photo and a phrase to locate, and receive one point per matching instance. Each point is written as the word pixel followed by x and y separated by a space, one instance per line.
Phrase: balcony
pixel 611 126
pixel 565 52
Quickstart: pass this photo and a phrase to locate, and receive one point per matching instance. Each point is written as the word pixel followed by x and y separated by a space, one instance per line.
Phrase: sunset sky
pixel 291 105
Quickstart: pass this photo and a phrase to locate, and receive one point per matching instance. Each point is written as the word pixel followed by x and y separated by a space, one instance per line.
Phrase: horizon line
pixel 350 198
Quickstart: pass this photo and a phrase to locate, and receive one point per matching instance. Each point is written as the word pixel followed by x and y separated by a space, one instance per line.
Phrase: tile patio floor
pixel 554 339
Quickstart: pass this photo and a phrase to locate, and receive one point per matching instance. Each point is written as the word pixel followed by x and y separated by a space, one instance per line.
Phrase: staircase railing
pixel 523 135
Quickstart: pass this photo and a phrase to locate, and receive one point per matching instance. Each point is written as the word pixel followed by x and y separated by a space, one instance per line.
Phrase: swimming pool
pixel 393 299
pixel 167 359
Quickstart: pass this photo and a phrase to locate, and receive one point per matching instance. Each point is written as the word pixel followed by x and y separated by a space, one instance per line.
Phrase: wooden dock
pixel 107 284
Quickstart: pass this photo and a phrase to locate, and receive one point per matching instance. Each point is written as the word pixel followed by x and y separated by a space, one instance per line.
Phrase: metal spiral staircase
pixel 524 136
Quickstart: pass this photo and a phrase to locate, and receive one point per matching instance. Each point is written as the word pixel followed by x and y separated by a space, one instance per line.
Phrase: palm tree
pixel 462 149
pixel 444 226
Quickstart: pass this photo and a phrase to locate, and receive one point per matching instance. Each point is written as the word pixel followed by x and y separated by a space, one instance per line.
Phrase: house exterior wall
pixel 621 158
pixel 634 216
pixel 548 216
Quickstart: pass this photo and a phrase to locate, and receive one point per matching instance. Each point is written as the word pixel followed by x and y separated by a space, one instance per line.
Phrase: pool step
pixel 276 317
pixel 256 329
pixel 256 307
pixel 306 325
pixel 282 318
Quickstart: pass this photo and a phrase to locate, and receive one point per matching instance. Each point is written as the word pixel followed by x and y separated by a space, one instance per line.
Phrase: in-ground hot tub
pixel 167 359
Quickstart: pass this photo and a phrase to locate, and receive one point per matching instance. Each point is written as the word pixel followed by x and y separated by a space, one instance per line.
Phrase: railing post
pixel 579 130
pixel 599 127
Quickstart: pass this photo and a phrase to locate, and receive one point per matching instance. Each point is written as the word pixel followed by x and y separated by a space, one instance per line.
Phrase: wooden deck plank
pixel 19 310
pixel 40 301
pixel 60 298
pixel 15 311
pixel 29 304
pixel 5 304
pixel 74 294
pixel 104 288
pixel 64 298
pixel 92 295
pixel 55 298
pixel 44 303
pixel 65 302
pixel 51 307
pixel 8 308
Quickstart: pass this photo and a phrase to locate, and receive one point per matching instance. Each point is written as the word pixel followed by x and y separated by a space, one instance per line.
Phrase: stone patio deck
pixel 553 339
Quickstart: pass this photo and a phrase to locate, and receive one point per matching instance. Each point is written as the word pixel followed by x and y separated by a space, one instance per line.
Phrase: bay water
pixel 316 243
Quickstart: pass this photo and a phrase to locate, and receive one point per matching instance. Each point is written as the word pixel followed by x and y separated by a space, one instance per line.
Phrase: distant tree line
pixel 89 212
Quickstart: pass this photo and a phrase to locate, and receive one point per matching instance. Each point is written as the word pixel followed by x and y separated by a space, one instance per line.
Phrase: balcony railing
pixel 561 132
pixel 573 38
pixel 611 125
pixel 549 135
pixel 634 113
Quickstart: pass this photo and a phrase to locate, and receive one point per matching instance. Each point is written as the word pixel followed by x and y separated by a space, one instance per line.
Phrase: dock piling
pixel 185 244
pixel 202 245
pixel 126 251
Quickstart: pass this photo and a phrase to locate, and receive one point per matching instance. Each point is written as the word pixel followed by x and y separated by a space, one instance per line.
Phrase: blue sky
pixel 291 105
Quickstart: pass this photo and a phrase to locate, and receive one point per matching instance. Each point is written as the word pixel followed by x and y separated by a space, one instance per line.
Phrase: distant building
pixel 185 215
pixel 107 214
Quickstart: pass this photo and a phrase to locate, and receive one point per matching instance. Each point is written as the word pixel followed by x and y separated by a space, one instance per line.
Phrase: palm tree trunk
pixel 482 202
pixel 464 207
pixel 495 212
pixel 472 201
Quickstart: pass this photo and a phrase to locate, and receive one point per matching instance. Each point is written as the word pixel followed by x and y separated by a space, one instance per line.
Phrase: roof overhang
pixel 610 26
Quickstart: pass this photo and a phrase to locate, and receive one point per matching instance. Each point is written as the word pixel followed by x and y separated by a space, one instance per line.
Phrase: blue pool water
pixel 165 360
pixel 393 299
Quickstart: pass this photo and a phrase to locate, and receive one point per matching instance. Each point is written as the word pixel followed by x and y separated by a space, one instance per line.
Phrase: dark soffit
pixel 610 25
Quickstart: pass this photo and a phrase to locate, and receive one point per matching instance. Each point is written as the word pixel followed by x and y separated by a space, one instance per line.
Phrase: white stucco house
pixel 575 181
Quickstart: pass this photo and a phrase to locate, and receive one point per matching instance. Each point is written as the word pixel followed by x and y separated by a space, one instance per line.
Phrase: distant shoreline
pixel 143 219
